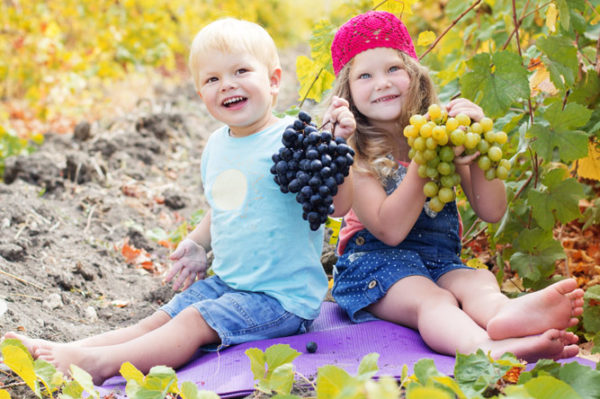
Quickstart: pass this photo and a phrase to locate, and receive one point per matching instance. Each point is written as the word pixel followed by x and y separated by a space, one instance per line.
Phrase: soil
pixel 75 213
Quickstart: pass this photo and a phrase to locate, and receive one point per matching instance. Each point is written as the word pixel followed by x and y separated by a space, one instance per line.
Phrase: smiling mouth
pixel 233 100
pixel 386 98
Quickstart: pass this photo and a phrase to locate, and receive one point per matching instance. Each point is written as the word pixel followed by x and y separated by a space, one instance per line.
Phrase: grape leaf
pixel 495 82
pixel 559 200
pixel 548 387
pixel 320 43
pixel 331 380
pixel 565 15
pixel 314 78
pixel 571 144
pixel 585 380
pixel 591 309
pixel 560 58
pixel 395 6
pixel 535 254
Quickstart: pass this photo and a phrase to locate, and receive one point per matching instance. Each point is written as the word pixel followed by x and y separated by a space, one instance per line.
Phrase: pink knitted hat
pixel 367 31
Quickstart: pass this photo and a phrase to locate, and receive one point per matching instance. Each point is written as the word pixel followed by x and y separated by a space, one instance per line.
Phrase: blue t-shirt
pixel 259 240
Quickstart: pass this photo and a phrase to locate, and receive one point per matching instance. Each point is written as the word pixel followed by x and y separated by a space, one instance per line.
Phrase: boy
pixel 268 279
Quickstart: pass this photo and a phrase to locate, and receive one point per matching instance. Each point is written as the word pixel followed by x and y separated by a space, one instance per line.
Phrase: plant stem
pixel 448 28
pixel 310 87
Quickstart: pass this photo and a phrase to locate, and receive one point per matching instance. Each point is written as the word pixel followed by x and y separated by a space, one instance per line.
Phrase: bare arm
pixel 201 234
pixel 389 218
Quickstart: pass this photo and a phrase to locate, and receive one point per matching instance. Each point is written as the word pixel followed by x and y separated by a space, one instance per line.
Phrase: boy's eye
pixel 211 79
pixel 241 71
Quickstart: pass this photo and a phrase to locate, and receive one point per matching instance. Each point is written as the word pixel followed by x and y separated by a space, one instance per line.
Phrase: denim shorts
pixel 368 267
pixel 237 316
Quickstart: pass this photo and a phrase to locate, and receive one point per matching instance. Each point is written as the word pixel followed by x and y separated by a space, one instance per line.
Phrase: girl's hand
pixel 190 264
pixel 465 159
pixel 462 105
pixel 339 118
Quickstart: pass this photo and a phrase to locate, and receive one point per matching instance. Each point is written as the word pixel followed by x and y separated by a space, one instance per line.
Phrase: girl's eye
pixel 364 76
pixel 394 68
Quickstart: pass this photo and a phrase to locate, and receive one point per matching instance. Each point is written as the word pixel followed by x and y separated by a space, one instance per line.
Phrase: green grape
pixel 505 163
pixel 476 128
pixel 410 131
pixel 446 194
pixel 417 121
pixel 490 174
pixel 419 144
pixel 486 124
pixel 490 136
pixel 447 181
pixel 433 163
pixel 471 140
pixel 419 158
pixel 426 129
pixel 456 178
pixel 484 163
pixel 434 111
pixel 501 173
pixel 444 168
pixel 457 137
pixel 483 146
pixel 430 143
pixel 422 171
pixel 435 204
pixel 463 119
pixel 501 137
pixel 430 189
pixel 432 173
pixel 495 153
pixel 411 153
pixel 429 154
pixel 451 124
pixel 446 154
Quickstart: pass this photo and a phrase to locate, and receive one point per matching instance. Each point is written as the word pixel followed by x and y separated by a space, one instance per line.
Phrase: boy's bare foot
pixel 552 344
pixel 30 343
pixel 63 355
pixel 555 307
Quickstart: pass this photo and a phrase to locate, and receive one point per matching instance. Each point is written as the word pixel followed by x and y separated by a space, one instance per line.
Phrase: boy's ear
pixel 275 80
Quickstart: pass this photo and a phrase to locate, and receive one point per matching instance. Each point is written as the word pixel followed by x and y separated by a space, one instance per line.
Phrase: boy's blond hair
pixel 231 35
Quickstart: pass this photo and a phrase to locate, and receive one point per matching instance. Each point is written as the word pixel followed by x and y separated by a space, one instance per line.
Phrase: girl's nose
pixel 382 83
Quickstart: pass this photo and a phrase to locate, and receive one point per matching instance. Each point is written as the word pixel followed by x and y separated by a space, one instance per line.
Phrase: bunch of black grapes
pixel 311 164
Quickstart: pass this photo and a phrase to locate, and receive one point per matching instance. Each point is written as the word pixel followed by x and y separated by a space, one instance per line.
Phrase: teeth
pixel 232 100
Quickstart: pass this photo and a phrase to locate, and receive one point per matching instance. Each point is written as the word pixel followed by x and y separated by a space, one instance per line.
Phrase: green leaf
pixel 368 366
pixel 570 144
pixel 48 375
pixel 583 379
pixel 320 42
pixel 161 379
pixel 591 309
pixel 425 370
pixel 257 362
pixel 451 385
pixel 495 82
pixel 384 388
pixel 314 78
pixel 84 379
pixel 189 390
pixel 548 387
pixel 282 379
pixel 560 59
pixel 331 381
pixel 564 13
pixel 71 390
pixel 536 252
pixel 475 372
pixel 278 355
pixel 560 200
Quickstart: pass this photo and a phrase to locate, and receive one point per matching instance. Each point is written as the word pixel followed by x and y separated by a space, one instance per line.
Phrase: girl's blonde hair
pixel 374 146
pixel 230 35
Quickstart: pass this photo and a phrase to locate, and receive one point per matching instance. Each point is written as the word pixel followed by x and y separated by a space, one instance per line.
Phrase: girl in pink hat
pixel 400 259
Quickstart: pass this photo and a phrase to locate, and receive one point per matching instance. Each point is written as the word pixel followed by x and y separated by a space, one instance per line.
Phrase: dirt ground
pixel 68 211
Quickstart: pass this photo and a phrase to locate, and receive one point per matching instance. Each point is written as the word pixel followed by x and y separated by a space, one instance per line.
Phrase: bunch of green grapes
pixel 432 145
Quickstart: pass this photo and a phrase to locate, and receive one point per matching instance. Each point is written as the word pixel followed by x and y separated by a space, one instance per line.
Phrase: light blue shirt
pixel 259 240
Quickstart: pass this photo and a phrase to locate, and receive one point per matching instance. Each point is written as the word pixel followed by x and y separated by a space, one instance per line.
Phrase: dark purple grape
pixel 281 167
pixel 312 154
pixel 316 165
pixel 295 185
pixel 324 191
pixel 304 117
pixel 314 182
pixel 339 178
pixel 306 191
pixel 326 159
pixel 326 136
pixel 313 217
pixel 298 125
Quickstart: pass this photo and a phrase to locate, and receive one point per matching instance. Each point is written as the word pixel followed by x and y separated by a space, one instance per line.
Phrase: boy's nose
pixel 227 84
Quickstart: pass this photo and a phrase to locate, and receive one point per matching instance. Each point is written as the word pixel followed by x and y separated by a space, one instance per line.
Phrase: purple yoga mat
pixel 340 343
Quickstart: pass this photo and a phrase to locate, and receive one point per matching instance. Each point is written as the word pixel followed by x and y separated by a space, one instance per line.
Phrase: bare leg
pixel 113 337
pixel 172 344
pixel 419 303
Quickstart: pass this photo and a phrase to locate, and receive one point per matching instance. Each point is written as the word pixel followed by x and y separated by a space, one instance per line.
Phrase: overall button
pixel 359 240
pixel 372 284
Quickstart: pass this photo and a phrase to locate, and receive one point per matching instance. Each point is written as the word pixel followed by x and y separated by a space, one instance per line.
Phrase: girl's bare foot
pixel 552 344
pixel 555 307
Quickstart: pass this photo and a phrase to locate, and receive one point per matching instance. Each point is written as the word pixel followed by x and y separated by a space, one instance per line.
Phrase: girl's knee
pixel 154 321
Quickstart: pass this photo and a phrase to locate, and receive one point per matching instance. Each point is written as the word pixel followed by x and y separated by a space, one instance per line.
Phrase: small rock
pixel 12 252
pixel 82 131
pixel 90 314
pixel 53 301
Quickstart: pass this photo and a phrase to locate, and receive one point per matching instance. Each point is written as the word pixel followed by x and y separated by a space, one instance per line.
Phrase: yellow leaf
pixel 551 15
pixel 129 372
pixel 476 263
pixel 589 167
pixel 395 6
pixel 314 78
pixel 335 224
pixel 21 363
pixel 426 38
pixel 540 82
pixel 4 394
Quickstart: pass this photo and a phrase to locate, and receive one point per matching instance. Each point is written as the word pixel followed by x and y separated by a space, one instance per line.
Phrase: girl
pixel 400 260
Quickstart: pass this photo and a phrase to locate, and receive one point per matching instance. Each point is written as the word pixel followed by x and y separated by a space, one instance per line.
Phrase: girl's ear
pixel 275 80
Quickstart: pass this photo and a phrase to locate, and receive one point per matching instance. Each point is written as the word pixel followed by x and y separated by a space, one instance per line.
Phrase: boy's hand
pixel 462 105
pixel 339 118
pixel 190 264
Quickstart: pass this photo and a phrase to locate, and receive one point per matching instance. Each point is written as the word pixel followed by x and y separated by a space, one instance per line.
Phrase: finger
pixel 173 271
pixel 178 253
pixel 181 279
